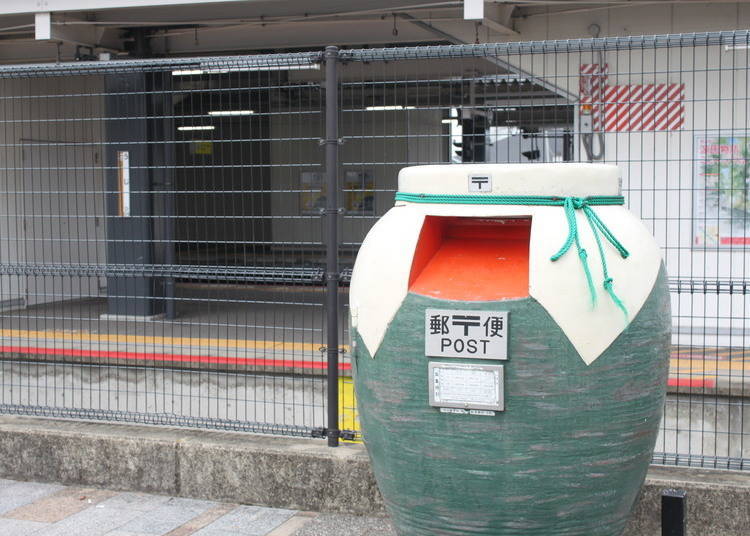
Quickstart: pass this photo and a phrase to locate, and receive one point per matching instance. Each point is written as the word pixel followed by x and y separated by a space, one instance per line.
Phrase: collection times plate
pixel 468 387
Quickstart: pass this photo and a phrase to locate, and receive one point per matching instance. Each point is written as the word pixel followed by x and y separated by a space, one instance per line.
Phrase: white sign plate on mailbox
pixel 469 387
pixel 480 183
pixel 472 334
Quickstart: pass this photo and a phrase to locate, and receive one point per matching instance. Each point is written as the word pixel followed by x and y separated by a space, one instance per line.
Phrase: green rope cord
pixel 570 206
pixel 544 200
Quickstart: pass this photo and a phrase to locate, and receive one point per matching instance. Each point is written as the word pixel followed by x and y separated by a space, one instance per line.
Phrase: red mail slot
pixel 472 259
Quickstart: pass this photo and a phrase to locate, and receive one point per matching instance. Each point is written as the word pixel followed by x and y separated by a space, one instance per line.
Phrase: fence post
pixel 673 512
pixel 332 249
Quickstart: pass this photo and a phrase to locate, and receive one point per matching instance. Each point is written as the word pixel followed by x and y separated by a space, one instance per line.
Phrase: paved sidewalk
pixel 30 508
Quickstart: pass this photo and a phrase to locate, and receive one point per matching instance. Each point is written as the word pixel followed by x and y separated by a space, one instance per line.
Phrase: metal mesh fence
pixel 161 248
pixel 670 111
pixel 163 225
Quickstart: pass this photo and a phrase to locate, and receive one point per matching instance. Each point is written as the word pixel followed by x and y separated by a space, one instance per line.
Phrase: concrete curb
pixel 299 474
pixel 718 502
pixel 290 473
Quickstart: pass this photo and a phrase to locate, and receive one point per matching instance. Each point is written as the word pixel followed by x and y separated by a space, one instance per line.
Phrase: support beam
pixel 497 27
pixel 496 61
pixel 131 230
pixel 498 19
pixel 46 29
pixel 76 35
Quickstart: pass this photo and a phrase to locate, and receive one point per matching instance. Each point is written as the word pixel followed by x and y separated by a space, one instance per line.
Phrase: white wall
pixel 658 167
pixel 52 195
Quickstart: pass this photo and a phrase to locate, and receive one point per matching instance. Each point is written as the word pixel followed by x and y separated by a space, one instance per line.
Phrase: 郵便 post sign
pixel 472 334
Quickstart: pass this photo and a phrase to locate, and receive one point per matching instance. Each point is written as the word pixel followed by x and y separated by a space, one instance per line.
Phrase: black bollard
pixel 673 512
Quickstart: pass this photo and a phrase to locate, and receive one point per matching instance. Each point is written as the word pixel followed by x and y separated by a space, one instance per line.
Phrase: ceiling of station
pixel 83 29
pixel 215 27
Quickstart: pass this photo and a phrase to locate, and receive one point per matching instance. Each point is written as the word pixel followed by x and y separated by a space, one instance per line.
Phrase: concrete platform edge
pixel 288 473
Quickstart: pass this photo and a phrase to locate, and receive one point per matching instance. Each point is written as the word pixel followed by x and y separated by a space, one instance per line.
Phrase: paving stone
pixel 135 501
pixel 19 527
pixel 17 494
pixel 196 505
pixel 293 524
pixel 59 505
pixel 202 520
pixel 215 532
pixel 247 521
pixel 91 522
pixel 166 517
pixel 118 532
pixel 139 514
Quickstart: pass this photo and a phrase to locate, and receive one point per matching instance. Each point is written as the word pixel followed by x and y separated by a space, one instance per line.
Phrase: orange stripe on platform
pixel 740 367
pixel 179 358
pixel 691 382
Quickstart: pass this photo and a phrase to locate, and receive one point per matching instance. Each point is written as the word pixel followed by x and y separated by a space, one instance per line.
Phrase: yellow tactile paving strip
pixel 689 366
pixel 193 350
pixel 129 338
pixel 704 366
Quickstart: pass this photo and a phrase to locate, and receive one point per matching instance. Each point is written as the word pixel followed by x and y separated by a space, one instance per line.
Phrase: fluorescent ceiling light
pixel 245 68
pixel 187 72
pixel 382 108
pixel 297 67
pixel 510 77
pixel 231 112
pixel 197 127
pixel 449 121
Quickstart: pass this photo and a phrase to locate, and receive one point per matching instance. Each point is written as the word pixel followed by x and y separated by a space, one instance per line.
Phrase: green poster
pixel 721 215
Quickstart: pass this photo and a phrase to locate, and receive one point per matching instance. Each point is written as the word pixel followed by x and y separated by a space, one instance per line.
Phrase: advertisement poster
pixel 202 147
pixel 358 192
pixel 314 199
pixel 721 214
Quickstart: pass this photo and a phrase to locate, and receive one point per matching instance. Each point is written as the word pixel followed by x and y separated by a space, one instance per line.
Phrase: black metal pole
pixel 673 512
pixel 332 250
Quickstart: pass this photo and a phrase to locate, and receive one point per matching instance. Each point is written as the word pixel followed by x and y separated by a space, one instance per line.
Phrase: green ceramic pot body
pixel 566 457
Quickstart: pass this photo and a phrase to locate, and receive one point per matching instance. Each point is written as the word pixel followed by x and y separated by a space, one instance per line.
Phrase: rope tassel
pixel 598 229
pixel 570 205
